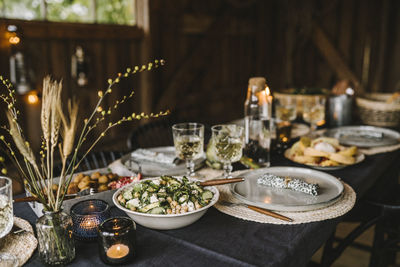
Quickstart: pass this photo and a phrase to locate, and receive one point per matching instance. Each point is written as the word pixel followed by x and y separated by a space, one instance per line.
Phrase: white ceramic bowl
pixel 166 221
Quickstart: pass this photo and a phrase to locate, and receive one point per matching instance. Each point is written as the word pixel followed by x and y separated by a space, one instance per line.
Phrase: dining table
pixel 218 239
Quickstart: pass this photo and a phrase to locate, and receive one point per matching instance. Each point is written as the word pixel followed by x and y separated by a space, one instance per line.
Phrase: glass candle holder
pixel 87 215
pixel 117 240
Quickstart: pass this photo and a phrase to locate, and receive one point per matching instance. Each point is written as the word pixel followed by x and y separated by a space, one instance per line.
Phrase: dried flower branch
pixel 38 178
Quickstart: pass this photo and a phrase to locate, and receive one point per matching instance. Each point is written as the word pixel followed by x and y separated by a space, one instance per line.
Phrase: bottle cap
pixel 259 82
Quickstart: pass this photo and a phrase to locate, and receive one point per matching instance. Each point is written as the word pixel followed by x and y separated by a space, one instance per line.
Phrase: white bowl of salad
pixel 165 202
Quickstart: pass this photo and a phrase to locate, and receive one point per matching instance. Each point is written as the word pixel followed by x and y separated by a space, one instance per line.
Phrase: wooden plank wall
pixel 269 38
pixel 48 48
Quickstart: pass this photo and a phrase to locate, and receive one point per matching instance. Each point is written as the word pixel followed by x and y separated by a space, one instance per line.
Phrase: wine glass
pixel 314 111
pixel 285 108
pixel 188 141
pixel 6 208
pixel 285 112
pixel 228 144
pixel 6 217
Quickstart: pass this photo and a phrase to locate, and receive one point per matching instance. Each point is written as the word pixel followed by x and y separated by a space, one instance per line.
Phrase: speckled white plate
pixel 279 199
pixel 364 136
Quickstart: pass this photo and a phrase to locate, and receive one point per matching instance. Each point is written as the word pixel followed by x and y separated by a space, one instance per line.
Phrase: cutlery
pixel 86 192
pixel 222 181
pixel 257 209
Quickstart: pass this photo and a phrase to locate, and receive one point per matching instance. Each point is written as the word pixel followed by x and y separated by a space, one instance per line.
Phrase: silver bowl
pixel 166 221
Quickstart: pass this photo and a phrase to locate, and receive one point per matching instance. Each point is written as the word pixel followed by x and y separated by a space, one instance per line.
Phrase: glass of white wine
pixel 6 217
pixel 188 141
pixel 314 111
pixel 285 108
pixel 228 144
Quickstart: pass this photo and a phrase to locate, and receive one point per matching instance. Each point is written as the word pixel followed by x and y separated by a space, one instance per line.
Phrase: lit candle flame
pixel 32 98
pixel 14 40
pixel 267 91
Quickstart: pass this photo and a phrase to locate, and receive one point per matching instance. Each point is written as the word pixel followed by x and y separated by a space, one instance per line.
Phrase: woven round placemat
pixel 21 245
pixel 339 208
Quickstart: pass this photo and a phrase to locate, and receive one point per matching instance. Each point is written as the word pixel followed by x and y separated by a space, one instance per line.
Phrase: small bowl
pixel 166 221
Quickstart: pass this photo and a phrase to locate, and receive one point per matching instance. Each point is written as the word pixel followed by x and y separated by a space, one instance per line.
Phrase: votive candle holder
pixel 86 216
pixel 117 240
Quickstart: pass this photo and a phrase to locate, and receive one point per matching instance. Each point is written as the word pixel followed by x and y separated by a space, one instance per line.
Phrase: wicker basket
pixel 373 110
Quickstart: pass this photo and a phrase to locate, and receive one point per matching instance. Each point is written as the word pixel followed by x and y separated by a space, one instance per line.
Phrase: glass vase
pixel 56 243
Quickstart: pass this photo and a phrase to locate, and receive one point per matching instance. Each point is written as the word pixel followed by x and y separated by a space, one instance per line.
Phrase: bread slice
pixel 347 160
pixel 309 151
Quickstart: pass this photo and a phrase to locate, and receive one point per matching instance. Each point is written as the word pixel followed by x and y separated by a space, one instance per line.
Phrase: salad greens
pixel 166 195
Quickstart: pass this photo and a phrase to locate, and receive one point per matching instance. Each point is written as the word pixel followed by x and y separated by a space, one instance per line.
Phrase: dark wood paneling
pixel 272 39
pixel 48 48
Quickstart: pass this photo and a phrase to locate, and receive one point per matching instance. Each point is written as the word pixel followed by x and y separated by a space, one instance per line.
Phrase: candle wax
pixel 117 251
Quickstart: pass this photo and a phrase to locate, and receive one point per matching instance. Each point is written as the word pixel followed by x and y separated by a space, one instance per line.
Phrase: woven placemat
pixel 21 245
pixel 378 150
pixel 339 208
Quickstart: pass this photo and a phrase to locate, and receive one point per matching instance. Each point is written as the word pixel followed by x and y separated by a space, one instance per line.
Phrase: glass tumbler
pixel 87 215
pixel 117 240
pixel 6 218
pixel 6 207
pixel 314 112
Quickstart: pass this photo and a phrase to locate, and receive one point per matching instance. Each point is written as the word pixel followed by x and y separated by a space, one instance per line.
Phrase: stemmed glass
pixel 286 112
pixel 228 144
pixel 314 111
pixel 6 217
pixel 188 141
pixel 285 108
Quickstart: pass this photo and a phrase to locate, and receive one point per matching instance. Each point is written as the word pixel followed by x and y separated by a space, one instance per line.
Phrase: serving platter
pixel 149 168
pixel 279 199
pixel 359 158
pixel 364 136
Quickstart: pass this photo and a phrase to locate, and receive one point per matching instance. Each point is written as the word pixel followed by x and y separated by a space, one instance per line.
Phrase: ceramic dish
pixel 166 221
pixel 359 157
pixel 279 199
pixel 364 136
pixel 157 169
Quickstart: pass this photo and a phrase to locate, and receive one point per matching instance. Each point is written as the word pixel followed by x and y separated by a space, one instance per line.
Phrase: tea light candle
pixel 87 215
pixel 117 240
pixel 117 251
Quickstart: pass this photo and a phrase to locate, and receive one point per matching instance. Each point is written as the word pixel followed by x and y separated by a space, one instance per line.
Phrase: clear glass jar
pixel 117 240
pixel 258 121
pixel 56 242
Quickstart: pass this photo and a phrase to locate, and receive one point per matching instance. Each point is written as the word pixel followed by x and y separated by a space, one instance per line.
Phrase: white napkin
pixel 157 157
pixel 120 169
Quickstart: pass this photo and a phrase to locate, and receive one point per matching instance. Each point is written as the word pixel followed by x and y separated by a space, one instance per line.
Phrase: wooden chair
pixel 158 133
pixel 381 210
pixel 94 160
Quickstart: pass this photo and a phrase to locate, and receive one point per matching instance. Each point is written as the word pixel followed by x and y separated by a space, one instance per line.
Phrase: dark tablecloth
pixel 218 239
